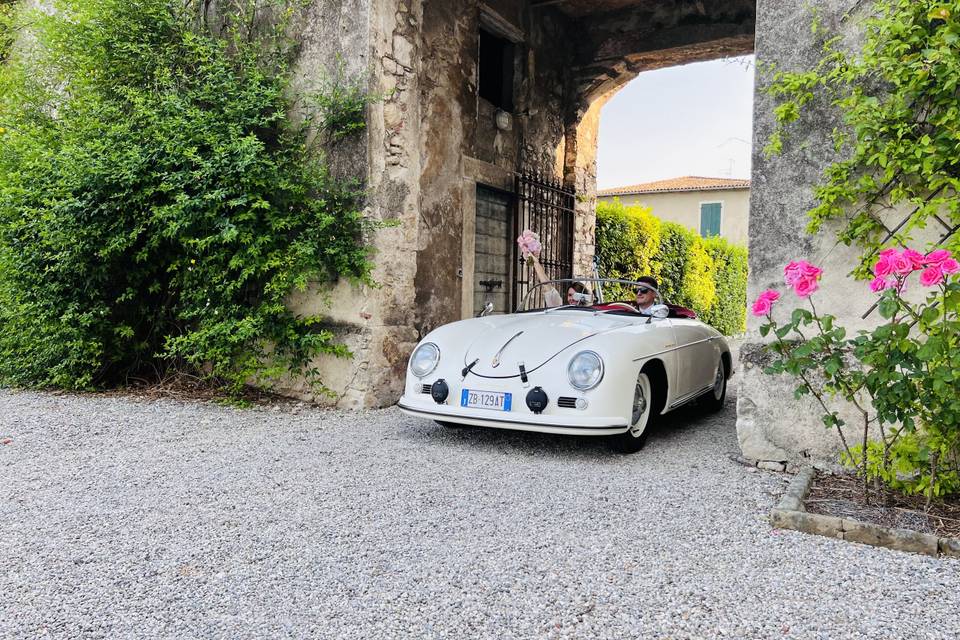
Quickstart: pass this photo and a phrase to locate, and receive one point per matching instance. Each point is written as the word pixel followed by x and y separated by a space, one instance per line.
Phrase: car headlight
pixel 585 370
pixel 424 359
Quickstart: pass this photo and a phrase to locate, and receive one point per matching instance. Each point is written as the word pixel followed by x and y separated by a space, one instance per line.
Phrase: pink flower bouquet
pixel 529 244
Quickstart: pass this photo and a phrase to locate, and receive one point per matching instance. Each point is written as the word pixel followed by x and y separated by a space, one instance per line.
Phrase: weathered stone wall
pixel 460 145
pixel 378 39
pixel 771 424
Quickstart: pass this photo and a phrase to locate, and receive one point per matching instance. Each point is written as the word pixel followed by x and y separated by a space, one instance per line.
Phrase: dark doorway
pixel 493 255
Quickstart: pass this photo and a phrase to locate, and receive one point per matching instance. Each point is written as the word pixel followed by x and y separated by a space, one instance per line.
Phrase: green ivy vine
pixel 158 203
pixel 899 145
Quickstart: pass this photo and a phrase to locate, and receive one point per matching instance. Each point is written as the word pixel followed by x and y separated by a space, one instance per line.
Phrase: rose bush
pixel 901 377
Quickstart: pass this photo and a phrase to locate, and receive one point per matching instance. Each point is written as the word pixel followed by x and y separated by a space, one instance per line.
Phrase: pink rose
pixel 805 287
pixel 764 302
pixel 888 252
pixel 936 257
pixel 791 272
pixel 931 276
pixel 798 270
pixel 949 266
pixel 902 265
pixel 917 259
pixel 883 267
pixel 879 284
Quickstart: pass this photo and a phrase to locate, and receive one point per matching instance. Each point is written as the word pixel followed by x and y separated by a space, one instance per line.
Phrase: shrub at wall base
pixel 157 205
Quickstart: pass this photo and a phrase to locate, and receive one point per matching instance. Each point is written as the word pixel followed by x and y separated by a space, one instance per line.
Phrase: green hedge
pixel 708 275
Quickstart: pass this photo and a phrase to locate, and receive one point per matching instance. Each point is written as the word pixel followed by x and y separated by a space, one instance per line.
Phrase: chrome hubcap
pixel 718 383
pixel 639 408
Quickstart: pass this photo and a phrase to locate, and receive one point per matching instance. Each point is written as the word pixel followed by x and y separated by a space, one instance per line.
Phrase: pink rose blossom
pixel 806 287
pixel 888 252
pixel 936 257
pixel 879 284
pixel 799 270
pixel 931 276
pixel 902 265
pixel 764 302
pixel 917 259
pixel 949 266
pixel 884 267
pixel 803 277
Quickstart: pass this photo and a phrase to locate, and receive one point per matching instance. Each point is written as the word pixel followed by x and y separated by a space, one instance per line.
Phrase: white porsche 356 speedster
pixel 591 368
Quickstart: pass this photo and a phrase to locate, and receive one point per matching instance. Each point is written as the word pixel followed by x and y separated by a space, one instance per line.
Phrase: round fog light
pixel 582 403
pixel 537 400
pixel 439 391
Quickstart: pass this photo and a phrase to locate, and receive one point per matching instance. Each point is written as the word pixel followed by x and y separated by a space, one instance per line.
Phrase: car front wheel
pixel 713 401
pixel 636 436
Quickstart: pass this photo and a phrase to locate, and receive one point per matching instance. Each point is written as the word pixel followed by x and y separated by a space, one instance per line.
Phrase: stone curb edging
pixel 791 514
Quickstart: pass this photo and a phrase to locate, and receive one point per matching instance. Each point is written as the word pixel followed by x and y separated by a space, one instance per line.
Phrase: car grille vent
pixel 567 402
pixel 425 388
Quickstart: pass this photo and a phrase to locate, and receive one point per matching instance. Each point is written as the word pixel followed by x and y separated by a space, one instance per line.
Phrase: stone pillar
pixel 580 171
pixel 771 424
pixel 379 38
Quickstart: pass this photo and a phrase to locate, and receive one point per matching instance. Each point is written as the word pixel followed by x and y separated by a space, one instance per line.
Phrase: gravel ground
pixel 164 519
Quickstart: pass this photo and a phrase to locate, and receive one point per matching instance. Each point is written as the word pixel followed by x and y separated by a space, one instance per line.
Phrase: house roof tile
pixel 686 183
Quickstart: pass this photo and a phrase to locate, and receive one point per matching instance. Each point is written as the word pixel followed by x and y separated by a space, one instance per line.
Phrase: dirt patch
pixel 844 497
pixel 183 386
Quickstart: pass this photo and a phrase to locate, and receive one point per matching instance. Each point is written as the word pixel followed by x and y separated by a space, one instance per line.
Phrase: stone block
pixel 770 465
pixel 814 523
pixel 899 539
pixel 949 547
pixel 790 503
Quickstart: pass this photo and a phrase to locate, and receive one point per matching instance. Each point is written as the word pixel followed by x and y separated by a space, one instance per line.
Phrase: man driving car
pixel 646 293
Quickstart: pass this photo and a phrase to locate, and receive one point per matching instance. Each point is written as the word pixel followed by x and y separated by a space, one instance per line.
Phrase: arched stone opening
pixel 476 93
pixel 623 39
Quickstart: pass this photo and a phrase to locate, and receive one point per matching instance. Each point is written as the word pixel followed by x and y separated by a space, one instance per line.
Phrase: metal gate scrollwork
pixel 546 207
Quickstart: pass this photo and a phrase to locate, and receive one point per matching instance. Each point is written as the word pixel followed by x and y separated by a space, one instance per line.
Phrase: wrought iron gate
pixel 546 207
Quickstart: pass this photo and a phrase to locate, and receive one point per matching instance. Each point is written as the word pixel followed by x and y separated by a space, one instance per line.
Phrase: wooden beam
pixel 536 4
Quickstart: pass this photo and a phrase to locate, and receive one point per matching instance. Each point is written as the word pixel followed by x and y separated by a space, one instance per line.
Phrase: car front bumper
pixel 521 418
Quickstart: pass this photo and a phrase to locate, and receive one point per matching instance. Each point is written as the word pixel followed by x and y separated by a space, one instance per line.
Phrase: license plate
pixel 496 400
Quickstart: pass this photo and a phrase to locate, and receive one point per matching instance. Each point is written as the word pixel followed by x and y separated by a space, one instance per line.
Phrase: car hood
pixel 532 339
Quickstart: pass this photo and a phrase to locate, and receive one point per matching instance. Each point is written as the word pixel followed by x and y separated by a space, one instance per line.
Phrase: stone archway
pixel 621 39
pixel 439 137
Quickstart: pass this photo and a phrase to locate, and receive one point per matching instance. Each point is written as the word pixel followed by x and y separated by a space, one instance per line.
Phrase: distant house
pixel 709 206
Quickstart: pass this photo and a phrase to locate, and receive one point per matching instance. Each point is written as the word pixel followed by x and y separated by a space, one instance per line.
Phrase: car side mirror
pixel 487 308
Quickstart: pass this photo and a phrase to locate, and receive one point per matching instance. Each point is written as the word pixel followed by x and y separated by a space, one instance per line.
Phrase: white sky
pixel 694 120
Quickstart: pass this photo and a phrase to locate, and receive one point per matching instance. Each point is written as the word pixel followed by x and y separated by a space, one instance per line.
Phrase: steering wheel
pixel 626 306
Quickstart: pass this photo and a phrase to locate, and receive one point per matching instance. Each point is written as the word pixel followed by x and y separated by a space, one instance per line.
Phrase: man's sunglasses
pixel 642 290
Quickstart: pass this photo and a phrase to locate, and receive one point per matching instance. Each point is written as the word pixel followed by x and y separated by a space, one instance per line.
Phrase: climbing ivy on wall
pixel 158 204
pixel 897 171
pixel 897 98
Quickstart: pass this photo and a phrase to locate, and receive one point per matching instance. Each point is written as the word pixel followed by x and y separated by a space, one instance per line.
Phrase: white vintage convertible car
pixel 591 368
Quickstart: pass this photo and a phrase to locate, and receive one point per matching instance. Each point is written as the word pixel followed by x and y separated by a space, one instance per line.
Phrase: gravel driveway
pixel 133 518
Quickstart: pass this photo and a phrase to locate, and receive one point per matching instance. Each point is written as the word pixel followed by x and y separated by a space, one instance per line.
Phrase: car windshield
pixel 583 293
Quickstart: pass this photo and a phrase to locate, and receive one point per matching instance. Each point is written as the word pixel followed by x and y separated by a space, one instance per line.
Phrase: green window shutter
pixel 710 219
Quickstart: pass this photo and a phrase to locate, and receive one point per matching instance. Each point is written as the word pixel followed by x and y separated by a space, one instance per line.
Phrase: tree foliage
pixel 157 202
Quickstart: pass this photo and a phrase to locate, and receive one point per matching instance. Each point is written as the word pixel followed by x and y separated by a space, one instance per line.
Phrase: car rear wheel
pixel 636 436
pixel 713 401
